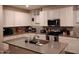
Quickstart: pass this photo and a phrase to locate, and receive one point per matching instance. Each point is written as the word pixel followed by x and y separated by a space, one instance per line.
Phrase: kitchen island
pixel 73 47
pixel 18 46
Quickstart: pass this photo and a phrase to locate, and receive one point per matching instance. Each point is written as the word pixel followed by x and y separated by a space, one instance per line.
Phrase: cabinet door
pixel 77 16
pixel 22 19
pixel 8 18
pixel 43 17
pixel 53 14
pixel 26 19
pixel 37 20
pixel 66 16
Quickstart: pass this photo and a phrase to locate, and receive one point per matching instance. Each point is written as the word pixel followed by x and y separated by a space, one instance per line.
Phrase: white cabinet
pixel 77 13
pixel 16 18
pixel 19 19
pixel 53 14
pixel 22 19
pixel 77 16
pixel 43 17
pixel 8 18
pixel 28 19
pixel 66 16
pixel 37 20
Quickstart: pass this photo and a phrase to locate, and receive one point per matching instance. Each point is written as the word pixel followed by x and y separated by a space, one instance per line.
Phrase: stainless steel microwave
pixel 54 22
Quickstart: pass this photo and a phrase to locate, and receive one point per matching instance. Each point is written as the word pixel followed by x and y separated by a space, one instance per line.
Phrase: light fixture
pixel 27 5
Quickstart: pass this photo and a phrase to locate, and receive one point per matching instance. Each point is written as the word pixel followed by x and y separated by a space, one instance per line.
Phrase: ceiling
pixel 31 7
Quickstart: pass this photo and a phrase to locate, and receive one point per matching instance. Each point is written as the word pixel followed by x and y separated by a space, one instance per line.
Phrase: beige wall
pixel 15 9
pixel 1 23
pixel 55 7
pixel 1 26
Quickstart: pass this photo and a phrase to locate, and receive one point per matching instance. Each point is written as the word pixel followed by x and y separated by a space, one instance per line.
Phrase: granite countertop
pixel 49 48
pixel 72 36
pixel 73 47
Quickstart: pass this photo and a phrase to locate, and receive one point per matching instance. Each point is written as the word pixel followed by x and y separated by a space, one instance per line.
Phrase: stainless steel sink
pixel 40 42
pixel 43 41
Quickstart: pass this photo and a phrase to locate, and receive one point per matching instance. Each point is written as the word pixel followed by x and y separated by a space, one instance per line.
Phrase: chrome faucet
pixel 36 38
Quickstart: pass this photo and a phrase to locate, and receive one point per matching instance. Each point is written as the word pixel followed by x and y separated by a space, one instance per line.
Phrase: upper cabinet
pixel 66 16
pixel 53 14
pixel 22 19
pixel 41 19
pixel 14 18
pixel 36 21
pixel 77 16
pixel 8 18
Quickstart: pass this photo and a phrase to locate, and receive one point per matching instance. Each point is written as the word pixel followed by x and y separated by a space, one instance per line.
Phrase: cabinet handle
pixel 37 23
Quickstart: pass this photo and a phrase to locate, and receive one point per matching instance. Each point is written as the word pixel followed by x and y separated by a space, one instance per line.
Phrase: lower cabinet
pixel 17 50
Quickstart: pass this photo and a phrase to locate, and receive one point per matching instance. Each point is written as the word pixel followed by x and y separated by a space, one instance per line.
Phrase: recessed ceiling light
pixel 27 5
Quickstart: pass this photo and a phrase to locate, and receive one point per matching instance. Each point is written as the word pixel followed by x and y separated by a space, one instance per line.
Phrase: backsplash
pixel 76 31
pixel 36 29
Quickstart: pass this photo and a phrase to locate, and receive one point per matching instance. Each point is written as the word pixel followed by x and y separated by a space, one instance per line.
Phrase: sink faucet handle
pixel 37 36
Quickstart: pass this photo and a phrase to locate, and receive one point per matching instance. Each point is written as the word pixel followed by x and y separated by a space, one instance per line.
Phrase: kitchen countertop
pixel 49 48
pixel 73 47
pixel 69 36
